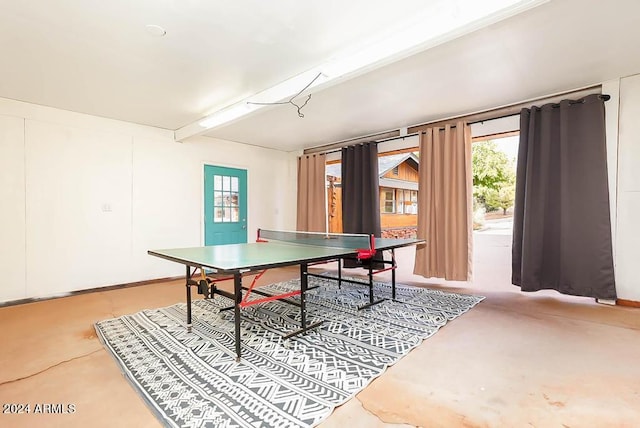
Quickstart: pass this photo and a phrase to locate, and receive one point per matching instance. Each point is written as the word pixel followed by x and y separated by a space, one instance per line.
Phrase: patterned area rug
pixel 193 380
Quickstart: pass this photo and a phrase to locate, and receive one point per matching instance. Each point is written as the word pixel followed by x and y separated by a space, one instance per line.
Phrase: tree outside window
pixel 493 177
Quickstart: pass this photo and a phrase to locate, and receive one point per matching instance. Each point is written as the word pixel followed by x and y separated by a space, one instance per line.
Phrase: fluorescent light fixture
pixel 282 91
pixel 449 19
pixel 290 87
pixel 227 115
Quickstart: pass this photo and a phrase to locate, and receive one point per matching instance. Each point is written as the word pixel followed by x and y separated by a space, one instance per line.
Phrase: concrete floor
pixel 515 360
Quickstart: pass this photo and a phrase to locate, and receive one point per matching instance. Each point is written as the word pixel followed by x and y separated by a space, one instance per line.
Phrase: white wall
pixel 12 209
pixel 83 198
pixel 628 191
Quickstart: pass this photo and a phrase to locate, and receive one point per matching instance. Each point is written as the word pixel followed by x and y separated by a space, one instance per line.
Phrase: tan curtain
pixel 445 203
pixel 311 193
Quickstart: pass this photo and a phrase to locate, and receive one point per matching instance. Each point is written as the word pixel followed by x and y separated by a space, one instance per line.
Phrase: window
pixel 389 203
pixel 411 204
pixel 226 207
pixel 400 199
pixel 396 170
pixel 407 202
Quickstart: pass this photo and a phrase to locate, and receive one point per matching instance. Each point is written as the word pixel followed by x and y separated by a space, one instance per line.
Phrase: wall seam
pixel 24 188
pixel 131 201
pixel 617 175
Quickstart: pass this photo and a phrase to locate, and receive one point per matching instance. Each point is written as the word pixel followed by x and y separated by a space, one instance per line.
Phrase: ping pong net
pixel 361 244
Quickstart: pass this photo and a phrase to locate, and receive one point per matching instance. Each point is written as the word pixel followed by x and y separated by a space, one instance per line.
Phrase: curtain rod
pixel 383 140
pixel 494 118
pixel 507 110
pixel 345 143
pixel 337 145
pixel 603 97
pixel 399 137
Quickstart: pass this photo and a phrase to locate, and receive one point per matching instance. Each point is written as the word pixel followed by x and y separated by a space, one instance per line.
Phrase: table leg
pixel 371 281
pixel 237 285
pixel 393 274
pixel 188 286
pixel 303 288
pixel 372 301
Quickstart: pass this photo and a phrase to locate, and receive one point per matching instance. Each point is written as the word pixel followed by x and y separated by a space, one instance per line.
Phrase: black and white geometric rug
pixel 193 379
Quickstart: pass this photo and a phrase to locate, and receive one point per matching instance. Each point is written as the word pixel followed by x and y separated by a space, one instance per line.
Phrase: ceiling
pixel 96 57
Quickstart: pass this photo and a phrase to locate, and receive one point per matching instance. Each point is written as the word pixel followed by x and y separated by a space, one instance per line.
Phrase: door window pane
pixel 217 201
pixel 226 199
pixel 218 215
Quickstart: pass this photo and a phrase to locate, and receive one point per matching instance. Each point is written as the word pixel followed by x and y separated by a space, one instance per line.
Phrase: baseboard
pixel 629 303
pixel 89 290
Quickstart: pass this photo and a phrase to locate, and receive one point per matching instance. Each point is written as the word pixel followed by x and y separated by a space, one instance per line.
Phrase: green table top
pixel 261 255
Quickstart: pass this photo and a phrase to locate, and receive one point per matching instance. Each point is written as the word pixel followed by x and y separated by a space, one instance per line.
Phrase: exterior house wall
pixel 394 221
pixel 398 220
pixel 405 172
pixel 334 199
pixel 387 221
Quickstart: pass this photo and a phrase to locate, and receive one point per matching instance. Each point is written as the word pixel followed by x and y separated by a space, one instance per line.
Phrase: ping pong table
pixel 274 249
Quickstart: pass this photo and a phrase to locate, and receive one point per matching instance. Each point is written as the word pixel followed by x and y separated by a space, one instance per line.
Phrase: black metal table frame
pixel 236 297
pixel 371 272
pixel 209 289
pixel 207 285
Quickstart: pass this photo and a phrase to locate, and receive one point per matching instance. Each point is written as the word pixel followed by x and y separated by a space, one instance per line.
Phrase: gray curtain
pixel 562 225
pixel 360 192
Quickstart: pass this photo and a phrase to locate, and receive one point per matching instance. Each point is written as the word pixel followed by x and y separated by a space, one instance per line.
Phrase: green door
pixel 225 205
